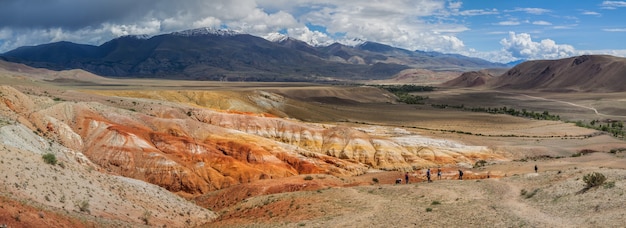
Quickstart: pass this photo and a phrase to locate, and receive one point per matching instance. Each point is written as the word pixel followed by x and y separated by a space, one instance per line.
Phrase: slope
pixel 587 73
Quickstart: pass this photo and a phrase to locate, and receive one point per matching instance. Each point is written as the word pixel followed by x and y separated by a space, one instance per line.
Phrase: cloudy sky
pixel 496 30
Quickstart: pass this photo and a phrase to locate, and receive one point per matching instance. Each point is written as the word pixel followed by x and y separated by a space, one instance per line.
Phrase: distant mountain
pixel 470 79
pixel 210 54
pixel 587 73
pixel 514 63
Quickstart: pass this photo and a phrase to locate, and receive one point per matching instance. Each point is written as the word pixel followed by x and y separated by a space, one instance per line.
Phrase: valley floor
pixel 549 198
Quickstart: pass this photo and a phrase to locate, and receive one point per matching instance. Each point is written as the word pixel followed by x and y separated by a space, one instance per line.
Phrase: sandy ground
pixel 522 198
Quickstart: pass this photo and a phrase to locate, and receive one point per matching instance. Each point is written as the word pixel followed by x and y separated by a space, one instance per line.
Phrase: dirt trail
pixel 513 201
pixel 564 102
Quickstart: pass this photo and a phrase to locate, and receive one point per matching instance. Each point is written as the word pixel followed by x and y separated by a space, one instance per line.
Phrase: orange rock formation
pixel 192 150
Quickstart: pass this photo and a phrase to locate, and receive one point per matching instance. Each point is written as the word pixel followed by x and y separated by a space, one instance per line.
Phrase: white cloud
pixel 455 9
pixel 536 11
pixel 477 12
pixel 591 13
pixel 613 4
pixel 619 52
pixel 312 37
pixel 522 46
pixel 541 23
pixel 565 26
pixel 210 22
pixel 397 23
pixel 615 30
pixel 508 23
pixel 148 27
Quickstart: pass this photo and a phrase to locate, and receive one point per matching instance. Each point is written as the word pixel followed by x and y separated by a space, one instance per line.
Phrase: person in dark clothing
pixel 460 174
pixel 535 168
pixel 406 178
pixel 428 175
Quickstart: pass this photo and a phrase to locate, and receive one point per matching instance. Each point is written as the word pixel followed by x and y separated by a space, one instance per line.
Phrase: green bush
pixel 50 158
pixel 609 184
pixel 480 163
pixel 429 209
pixel 308 178
pixel 594 179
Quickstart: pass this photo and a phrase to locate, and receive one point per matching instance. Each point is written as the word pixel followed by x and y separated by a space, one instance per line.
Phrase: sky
pixel 495 30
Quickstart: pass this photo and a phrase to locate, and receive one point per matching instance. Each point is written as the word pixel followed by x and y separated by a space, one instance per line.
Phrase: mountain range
pixel 208 54
pixel 586 73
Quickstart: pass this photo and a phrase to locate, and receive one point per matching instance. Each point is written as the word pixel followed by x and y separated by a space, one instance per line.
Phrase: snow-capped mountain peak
pixel 353 42
pixel 139 37
pixel 206 31
pixel 276 37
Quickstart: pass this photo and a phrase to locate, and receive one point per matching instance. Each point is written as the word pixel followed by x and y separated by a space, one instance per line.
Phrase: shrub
pixel 609 184
pixel 375 180
pixel 594 179
pixel 83 206
pixel 527 194
pixel 435 202
pixel 50 158
pixel 480 163
pixel 145 217
pixel 429 209
pixel 308 178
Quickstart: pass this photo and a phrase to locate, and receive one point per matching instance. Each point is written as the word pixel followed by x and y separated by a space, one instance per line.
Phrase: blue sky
pixel 496 30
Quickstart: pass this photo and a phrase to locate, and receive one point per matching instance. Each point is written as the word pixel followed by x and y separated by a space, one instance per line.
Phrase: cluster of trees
pixel 406 88
pixel 402 92
pixel 615 128
pixel 410 98
pixel 545 115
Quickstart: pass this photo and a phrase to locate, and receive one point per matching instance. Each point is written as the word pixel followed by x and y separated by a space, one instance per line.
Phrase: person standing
pixel 406 178
pixel 439 173
pixel 535 168
pixel 460 174
pixel 428 175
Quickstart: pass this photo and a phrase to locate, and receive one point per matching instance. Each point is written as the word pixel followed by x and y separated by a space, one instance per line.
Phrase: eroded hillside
pixel 194 150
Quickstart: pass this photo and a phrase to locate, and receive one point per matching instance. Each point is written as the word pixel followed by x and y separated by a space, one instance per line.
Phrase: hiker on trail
pixel 439 173
pixel 535 168
pixel 428 175
pixel 460 174
pixel 406 178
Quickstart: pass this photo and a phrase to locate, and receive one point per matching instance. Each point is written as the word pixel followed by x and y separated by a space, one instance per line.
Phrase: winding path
pixel 563 102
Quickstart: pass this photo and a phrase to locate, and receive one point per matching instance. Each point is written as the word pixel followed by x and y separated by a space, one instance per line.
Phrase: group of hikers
pixel 428 176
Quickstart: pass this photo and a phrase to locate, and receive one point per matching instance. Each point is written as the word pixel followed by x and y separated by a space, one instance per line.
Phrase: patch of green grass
pixel 610 184
pixel 527 194
pixel 49 158
pixel 594 179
